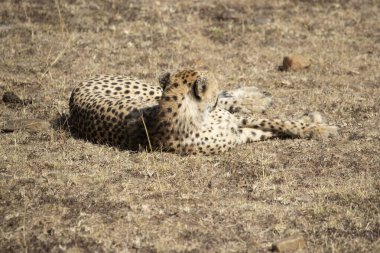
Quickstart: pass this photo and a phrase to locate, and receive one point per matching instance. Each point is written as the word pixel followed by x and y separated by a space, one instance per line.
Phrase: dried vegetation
pixel 58 193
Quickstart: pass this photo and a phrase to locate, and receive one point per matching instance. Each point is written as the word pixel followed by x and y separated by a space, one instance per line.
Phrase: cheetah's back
pixel 108 109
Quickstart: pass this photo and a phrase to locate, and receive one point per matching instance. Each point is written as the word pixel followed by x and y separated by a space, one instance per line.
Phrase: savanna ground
pixel 59 193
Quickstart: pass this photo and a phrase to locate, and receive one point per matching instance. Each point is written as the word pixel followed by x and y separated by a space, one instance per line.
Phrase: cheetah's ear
pixel 164 79
pixel 199 87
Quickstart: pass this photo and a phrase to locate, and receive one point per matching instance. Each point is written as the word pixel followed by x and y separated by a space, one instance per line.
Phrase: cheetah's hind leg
pixel 309 126
pixel 245 100
pixel 319 129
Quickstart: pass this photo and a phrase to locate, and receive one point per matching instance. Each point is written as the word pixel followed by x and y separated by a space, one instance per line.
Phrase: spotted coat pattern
pixel 186 114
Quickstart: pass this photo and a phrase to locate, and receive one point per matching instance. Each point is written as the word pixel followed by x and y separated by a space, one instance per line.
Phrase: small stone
pixel 295 63
pixel 10 97
pixel 289 244
pixel 74 249
pixel 28 125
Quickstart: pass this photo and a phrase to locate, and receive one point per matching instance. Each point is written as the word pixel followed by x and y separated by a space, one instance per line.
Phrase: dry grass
pixel 59 193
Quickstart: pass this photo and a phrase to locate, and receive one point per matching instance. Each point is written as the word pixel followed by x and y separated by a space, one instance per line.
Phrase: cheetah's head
pixel 196 88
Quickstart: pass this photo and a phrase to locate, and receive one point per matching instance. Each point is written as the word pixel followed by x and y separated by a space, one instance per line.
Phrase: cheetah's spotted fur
pixel 187 114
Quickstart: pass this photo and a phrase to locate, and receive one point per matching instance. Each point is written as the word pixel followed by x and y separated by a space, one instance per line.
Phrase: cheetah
pixel 186 114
